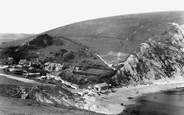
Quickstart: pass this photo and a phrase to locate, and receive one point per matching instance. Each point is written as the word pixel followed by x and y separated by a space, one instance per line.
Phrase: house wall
pixel 99 88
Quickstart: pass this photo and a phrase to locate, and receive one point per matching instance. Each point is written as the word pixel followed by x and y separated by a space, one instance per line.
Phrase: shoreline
pixel 116 103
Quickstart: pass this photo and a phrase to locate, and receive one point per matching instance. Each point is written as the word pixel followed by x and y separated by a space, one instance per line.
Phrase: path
pixel 20 79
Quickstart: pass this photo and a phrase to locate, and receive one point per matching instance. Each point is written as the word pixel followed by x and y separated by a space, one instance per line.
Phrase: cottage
pixel 18 66
pixel 17 71
pixel 24 62
pixel 14 69
pixel 49 66
pixel 101 87
pixel 77 69
pixel 28 75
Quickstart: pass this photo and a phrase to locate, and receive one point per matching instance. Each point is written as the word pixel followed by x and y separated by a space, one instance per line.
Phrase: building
pixel 24 62
pixel 101 87
pixel 16 71
pixel 28 74
pixel 49 66
pixel 77 69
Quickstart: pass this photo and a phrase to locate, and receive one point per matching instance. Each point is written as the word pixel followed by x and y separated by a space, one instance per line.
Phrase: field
pixel 7 37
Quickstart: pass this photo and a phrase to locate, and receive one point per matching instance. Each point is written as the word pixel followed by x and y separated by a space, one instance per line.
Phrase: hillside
pixel 120 35
pixel 122 51
pixel 115 38
pixel 7 37
pixel 17 106
pixel 45 48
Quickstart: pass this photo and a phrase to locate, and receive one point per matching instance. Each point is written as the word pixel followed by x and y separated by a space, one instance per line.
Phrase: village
pixel 49 73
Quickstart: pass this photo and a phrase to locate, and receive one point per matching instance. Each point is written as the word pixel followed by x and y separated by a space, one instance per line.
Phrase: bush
pixel 42 41
pixel 68 56
pixel 16 52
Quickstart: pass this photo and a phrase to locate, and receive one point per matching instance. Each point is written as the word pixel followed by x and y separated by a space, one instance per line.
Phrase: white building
pixel 101 87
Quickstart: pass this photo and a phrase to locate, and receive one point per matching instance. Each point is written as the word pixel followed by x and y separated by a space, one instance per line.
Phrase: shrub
pixel 68 56
pixel 42 41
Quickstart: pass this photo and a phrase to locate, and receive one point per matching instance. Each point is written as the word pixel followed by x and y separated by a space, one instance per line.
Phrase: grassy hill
pixel 121 34
pixel 149 45
pixel 114 38
pixel 7 37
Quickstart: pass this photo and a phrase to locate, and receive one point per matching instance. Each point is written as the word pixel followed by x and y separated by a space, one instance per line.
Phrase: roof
pixel 52 63
pixel 47 63
pixel 102 84
pixel 22 61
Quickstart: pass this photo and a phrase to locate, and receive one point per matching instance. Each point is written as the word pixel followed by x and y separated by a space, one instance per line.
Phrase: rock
pixel 159 57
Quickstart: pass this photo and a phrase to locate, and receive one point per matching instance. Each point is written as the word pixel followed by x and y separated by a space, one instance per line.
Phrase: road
pixel 20 79
pixel 25 80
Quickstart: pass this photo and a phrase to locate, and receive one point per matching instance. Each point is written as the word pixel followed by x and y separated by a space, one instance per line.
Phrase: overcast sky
pixel 35 16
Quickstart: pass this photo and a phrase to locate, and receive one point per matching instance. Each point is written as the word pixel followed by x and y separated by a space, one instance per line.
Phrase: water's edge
pixel 136 108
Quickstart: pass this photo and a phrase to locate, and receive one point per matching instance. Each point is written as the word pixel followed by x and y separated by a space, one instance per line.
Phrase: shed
pixel 22 61
pixel 101 87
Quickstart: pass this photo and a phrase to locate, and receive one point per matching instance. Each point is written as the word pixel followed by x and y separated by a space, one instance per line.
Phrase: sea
pixel 163 103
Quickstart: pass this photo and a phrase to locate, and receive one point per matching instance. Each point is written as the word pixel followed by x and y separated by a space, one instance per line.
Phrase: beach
pixel 115 103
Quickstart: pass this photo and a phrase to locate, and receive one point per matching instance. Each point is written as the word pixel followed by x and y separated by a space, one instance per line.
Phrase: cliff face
pixel 142 49
pixel 161 56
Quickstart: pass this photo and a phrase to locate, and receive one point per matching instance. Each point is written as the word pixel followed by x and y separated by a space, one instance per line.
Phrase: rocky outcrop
pixel 161 56
pixel 46 94
pixel 54 95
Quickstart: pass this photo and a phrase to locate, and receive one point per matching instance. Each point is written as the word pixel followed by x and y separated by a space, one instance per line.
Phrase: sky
pixel 36 16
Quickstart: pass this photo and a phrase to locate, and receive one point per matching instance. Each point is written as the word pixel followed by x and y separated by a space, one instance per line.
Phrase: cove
pixel 163 103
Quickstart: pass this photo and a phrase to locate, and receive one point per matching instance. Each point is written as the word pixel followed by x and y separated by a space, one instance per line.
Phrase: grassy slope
pixel 118 34
pixel 122 34
pixel 7 37
pixel 106 31
pixel 112 35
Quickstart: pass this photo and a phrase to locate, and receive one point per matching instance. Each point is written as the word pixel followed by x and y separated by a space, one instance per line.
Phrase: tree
pixel 68 56
pixel 42 41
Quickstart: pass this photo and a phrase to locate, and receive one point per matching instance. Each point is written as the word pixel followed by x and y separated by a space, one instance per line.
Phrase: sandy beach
pixel 115 103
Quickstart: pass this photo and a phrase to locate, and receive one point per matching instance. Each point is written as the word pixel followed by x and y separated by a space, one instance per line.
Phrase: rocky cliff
pixel 161 56
pixel 46 94
pixel 141 49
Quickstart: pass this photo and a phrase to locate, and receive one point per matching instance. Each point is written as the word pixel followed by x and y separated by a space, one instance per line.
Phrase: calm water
pixel 165 103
